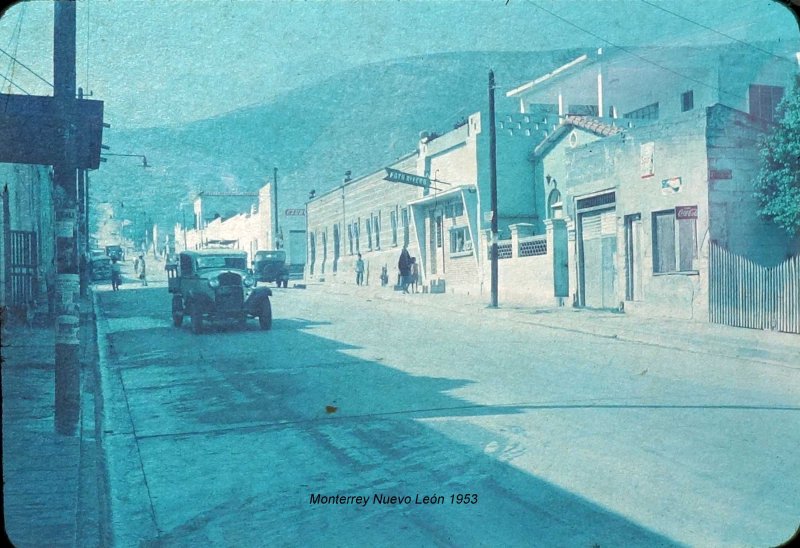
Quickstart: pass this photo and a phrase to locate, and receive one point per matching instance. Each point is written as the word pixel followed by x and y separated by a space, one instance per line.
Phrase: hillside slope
pixel 358 120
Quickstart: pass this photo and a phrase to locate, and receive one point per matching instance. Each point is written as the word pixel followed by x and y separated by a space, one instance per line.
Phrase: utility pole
pixel 493 183
pixel 275 198
pixel 82 232
pixel 67 344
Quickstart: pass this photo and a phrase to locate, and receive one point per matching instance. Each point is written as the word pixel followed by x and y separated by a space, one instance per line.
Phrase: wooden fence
pixel 745 294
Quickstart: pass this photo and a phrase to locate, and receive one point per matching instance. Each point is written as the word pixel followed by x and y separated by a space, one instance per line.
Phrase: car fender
pixel 253 303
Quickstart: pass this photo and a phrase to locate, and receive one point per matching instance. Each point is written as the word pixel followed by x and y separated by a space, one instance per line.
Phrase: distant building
pixel 247 223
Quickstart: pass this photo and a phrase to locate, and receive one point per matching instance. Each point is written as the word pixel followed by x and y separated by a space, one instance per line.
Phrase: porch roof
pixel 433 198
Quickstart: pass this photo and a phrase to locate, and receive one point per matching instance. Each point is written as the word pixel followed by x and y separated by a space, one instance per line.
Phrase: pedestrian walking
pixel 359 270
pixel 143 270
pixel 136 266
pixel 404 266
pixel 384 276
pixel 414 274
pixel 116 274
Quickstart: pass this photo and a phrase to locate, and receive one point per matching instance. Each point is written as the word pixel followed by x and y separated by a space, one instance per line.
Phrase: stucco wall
pixel 615 163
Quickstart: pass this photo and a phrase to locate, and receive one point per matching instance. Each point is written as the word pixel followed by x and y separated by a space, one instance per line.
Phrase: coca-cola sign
pixel 686 212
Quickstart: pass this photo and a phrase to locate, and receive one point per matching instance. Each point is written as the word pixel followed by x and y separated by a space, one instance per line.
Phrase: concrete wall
pixel 614 163
pixel 517 135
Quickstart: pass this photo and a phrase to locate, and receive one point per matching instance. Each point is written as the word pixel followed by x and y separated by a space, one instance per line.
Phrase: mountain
pixel 360 120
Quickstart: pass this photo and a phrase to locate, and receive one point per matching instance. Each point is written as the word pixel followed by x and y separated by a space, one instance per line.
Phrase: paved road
pixel 565 438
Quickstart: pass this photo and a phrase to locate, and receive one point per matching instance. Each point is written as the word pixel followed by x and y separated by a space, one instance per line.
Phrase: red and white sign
pixel 686 212
pixel 295 212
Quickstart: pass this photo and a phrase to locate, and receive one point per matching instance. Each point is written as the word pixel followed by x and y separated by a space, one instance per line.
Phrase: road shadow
pixel 246 426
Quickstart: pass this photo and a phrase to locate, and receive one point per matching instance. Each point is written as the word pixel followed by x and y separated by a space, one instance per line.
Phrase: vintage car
pixel 215 285
pixel 99 268
pixel 270 266
pixel 115 252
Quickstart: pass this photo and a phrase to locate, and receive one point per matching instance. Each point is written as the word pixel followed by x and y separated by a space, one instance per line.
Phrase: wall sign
pixel 295 212
pixel 686 212
pixel 397 176
pixel 671 186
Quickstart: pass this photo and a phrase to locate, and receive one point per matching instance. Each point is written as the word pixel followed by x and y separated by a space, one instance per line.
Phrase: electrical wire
pixel 728 36
pixel 23 65
pixel 10 81
pixel 14 38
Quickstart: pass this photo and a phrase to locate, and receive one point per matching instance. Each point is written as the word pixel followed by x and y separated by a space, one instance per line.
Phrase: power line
pixel 10 81
pixel 632 53
pixel 678 15
pixel 25 67
pixel 15 39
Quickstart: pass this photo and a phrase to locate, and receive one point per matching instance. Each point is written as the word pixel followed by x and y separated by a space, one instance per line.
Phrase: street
pixel 518 434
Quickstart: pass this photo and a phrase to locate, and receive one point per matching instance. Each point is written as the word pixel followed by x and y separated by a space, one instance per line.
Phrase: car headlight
pixel 213 283
pixel 249 281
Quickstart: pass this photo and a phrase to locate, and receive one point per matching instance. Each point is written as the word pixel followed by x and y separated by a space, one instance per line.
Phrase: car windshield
pixel 220 261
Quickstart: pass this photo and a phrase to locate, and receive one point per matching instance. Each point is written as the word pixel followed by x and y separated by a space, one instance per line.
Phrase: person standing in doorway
pixel 143 270
pixel 359 270
pixel 404 266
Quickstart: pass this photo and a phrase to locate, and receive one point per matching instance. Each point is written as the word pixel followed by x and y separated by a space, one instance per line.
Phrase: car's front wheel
pixel 265 315
pixel 197 318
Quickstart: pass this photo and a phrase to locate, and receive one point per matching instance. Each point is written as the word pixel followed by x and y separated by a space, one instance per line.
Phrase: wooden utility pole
pixel 493 183
pixel 275 201
pixel 64 132
pixel 67 370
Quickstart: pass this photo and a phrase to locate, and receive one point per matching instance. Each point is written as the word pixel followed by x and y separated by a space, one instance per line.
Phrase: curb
pixel 669 339
pixel 129 513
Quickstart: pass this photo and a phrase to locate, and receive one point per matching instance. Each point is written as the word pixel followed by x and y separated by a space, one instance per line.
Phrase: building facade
pixel 27 276
pixel 645 198
pixel 366 215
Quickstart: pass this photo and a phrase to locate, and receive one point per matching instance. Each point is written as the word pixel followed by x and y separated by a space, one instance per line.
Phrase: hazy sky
pixel 166 62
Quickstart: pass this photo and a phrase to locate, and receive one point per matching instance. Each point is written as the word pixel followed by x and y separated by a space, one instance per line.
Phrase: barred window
pixel 764 100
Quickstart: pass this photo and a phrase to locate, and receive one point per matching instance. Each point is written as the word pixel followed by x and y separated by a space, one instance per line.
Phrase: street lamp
pixel 142 156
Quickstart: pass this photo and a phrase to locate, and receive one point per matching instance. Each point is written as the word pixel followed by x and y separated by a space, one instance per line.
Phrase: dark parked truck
pixel 215 285
pixel 270 266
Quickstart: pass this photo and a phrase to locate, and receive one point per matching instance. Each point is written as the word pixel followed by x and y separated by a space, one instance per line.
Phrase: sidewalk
pixel 774 348
pixel 50 492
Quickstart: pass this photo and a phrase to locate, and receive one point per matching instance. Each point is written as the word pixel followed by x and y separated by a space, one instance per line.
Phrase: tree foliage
pixel 777 185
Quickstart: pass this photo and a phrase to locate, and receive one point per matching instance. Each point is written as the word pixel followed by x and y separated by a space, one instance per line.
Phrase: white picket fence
pixel 745 294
